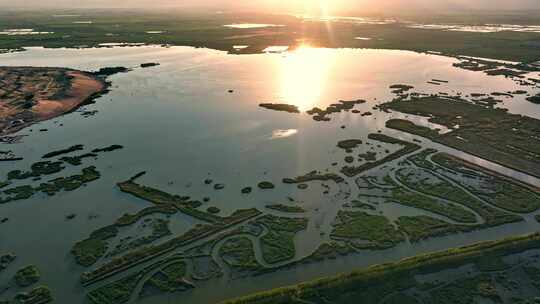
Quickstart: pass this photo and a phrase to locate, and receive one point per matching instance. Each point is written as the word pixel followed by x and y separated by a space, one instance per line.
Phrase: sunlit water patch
pixel 276 134
pixel 22 32
pixel 346 19
pixel 276 49
pixel 488 28
pixel 240 47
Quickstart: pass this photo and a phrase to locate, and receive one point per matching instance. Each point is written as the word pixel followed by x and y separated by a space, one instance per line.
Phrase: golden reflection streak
pixel 304 73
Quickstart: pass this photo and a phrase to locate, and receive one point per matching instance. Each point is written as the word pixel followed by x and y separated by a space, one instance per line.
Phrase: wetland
pixel 203 175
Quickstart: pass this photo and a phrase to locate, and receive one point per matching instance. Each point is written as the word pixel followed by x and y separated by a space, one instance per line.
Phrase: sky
pixel 286 5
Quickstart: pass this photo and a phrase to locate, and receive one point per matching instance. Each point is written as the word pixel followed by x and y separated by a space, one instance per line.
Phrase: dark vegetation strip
pixel 391 273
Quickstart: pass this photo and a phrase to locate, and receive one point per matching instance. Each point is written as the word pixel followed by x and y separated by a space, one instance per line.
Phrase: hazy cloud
pixel 342 5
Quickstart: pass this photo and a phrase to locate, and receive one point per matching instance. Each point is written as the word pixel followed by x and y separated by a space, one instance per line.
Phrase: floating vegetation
pixel 408 148
pixel 400 88
pixel 266 185
pixel 314 176
pixel 110 148
pixel 51 187
pixel 37 170
pixel 343 105
pixel 349 144
pixel 6 259
pixel 280 107
pixel 77 160
pixel 64 151
pixel 213 210
pixel 286 208
pixel 38 295
pixel 149 64
pixel 27 276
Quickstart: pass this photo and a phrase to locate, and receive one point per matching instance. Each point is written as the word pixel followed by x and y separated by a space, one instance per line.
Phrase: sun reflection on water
pixel 304 73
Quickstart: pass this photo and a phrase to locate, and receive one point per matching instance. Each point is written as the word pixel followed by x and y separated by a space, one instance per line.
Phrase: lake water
pixel 178 122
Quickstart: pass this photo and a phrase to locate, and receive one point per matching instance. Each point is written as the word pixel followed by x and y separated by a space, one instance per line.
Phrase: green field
pixel 206 30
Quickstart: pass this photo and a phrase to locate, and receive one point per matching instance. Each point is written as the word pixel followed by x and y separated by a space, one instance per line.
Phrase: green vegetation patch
pixel 410 127
pixel 422 227
pixel 90 250
pixel 330 250
pixel 239 254
pixel 38 295
pixel 280 107
pixel 170 279
pixel 27 276
pixel 108 149
pixel 501 191
pixel 198 232
pixel 349 144
pixel 77 160
pixel 487 132
pixel 443 189
pixel 115 293
pixel 37 170
pixel 452 211
pixel 358 225
pixel 277 244
pixel 160 229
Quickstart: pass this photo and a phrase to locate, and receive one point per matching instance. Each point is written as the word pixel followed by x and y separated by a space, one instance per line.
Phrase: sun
pixel 304 73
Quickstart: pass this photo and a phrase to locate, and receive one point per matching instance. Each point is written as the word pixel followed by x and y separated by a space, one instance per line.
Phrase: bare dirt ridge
pixel 32 94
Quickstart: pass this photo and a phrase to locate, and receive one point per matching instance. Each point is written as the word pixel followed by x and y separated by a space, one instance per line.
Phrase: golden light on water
pixel 304 73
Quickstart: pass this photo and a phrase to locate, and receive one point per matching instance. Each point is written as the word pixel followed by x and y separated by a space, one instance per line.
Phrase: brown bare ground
pixel 53 92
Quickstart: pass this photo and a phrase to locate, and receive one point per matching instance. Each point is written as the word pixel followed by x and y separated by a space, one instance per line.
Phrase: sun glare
pixel 314 7
pixel 304 75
